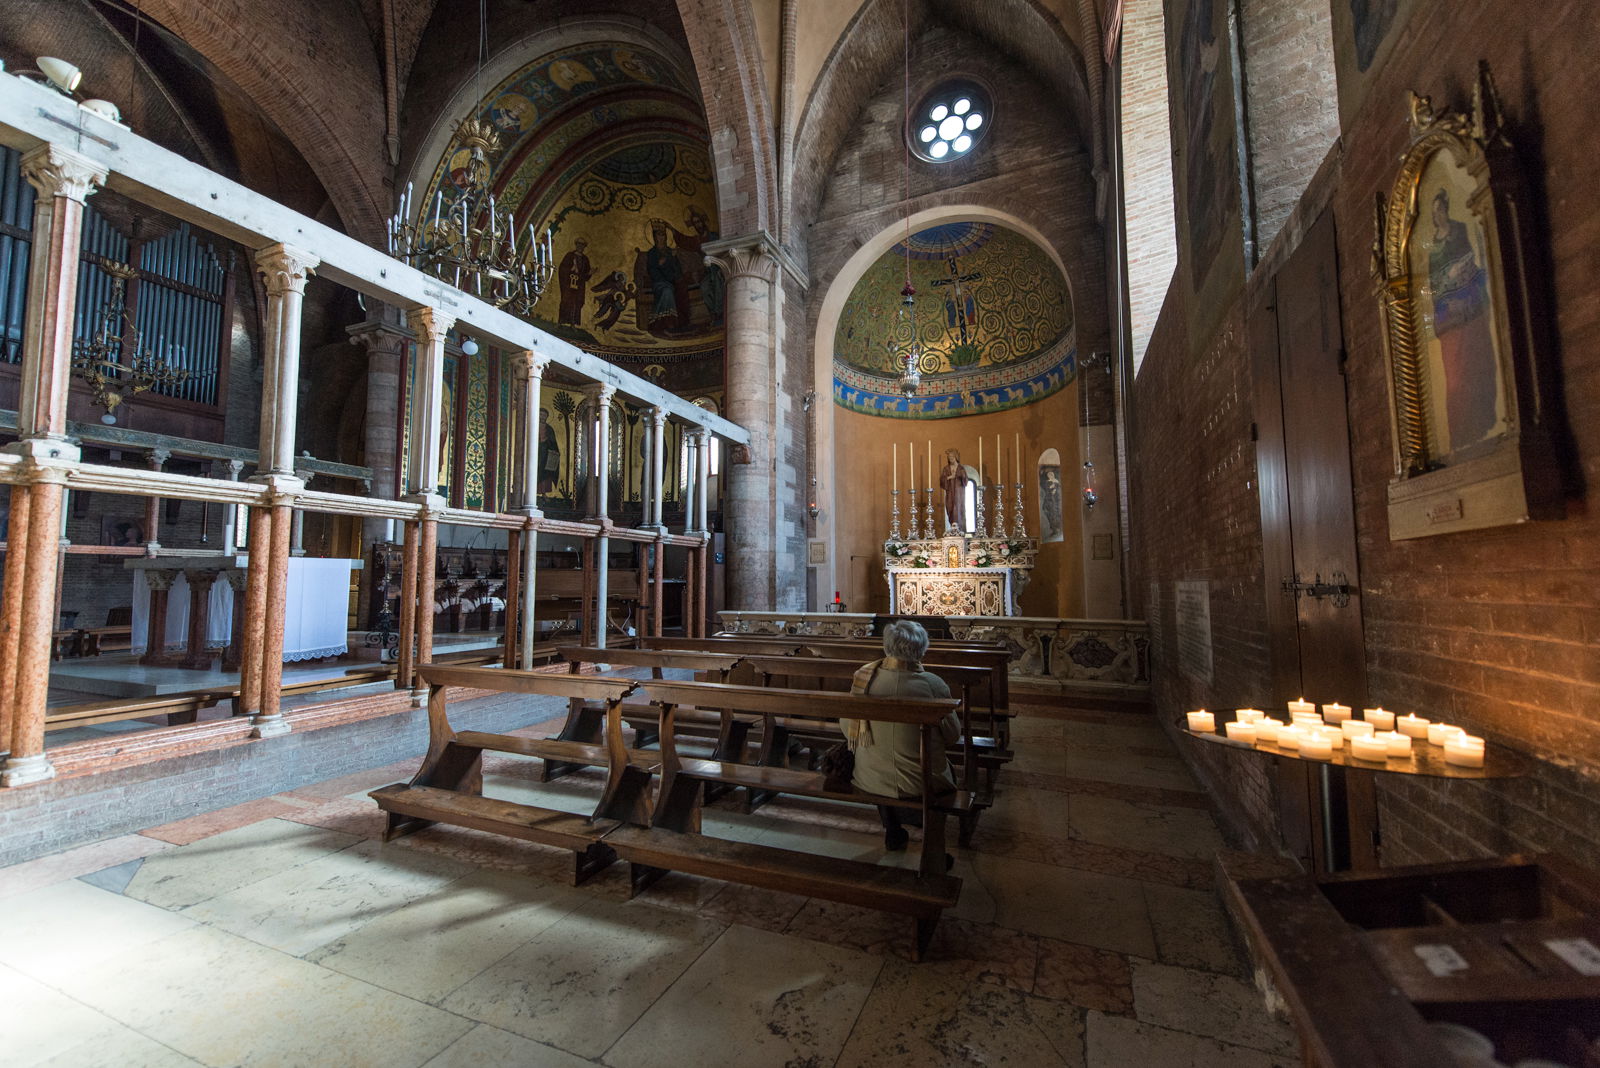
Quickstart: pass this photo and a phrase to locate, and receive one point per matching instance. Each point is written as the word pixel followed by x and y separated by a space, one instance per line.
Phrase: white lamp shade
pixel 103 108
pixel 60 72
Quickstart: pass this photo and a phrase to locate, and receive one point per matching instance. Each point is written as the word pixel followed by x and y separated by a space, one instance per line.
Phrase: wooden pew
pixel 177 707
pixel 990 655
pixel 835 676
pixel 449 786
pixel 584 722
pixel 672 841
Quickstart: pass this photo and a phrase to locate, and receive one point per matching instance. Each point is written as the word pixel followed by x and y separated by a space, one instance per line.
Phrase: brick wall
pixel 1293 102
pixel 1496 630
pixel 1152 238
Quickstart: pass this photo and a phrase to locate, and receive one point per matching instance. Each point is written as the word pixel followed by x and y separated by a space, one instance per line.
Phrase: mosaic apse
pixel 993 319
pixel 604 147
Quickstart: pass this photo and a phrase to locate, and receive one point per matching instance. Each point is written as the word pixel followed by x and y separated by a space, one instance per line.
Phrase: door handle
pixel 1337 590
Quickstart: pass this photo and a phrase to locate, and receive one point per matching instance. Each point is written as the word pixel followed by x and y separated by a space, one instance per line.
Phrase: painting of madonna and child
pixel 1462 363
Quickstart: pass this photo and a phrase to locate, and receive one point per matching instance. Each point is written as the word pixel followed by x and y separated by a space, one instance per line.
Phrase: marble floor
pixel 282 932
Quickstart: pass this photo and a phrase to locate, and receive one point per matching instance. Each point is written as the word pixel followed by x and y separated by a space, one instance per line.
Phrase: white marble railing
pixel 1046 653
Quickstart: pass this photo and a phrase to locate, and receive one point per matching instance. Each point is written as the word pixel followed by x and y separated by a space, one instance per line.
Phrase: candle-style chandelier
pixel 910 371
pixel 470 243
pixel 98 361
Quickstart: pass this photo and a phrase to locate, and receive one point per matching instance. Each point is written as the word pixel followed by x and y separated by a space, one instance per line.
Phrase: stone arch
pixel 339 135
pixel 1149 221
pixel 836 288
pixel 727 60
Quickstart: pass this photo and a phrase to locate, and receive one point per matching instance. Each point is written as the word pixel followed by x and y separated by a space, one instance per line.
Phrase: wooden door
pixel 1313 592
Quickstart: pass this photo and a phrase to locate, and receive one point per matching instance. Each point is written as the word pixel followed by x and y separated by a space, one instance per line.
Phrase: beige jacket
pixel 889 755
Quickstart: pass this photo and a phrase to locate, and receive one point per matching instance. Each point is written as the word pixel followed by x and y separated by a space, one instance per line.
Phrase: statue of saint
pixel 953 480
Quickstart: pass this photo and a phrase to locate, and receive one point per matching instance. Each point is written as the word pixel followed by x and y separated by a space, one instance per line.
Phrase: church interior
pixel 487 483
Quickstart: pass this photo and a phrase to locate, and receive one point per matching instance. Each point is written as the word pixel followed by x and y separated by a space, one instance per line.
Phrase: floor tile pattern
pixel 284 932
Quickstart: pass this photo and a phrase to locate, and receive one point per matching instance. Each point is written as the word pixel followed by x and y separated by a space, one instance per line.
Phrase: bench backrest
pixel 775 646
pixel 542 684
pixel 807 704
pixel 685 659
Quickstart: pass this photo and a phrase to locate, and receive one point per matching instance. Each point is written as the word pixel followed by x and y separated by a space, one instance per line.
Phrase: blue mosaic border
pixel 952 403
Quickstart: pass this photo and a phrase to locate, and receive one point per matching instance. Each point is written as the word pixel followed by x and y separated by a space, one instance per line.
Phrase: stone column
pixel 702 500
pixel 156 459
pixel 230 470
pixel 751 264
pixel 529 368
pixel 297 532
pixel 385 340
pixel 656 469
pixel 284 271
pixel 427 424
pixel 231 657
pixel 602 510
pixel 62 180
pixel 196 656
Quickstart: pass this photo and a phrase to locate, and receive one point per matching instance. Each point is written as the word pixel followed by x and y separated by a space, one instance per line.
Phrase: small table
pixel 1499 762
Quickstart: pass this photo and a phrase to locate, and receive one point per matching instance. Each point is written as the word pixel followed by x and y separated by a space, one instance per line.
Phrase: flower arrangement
pixel 897 549
pixel 981 559
pixel 921 560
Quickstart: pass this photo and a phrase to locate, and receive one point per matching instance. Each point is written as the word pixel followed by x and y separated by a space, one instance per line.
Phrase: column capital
pixel 158 579
pixel 529 364
pixel 658 417
pixel 228 469
pixel 157 458
pixel 60 172
pixel 429 324
pixel 754 256
pixel 601 392
pixel 284 268
pixel 377 337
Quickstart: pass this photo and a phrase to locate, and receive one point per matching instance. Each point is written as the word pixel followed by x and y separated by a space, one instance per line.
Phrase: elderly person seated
pixel 888 756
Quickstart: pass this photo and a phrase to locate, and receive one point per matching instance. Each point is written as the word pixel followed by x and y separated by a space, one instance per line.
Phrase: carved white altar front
pixel 958 576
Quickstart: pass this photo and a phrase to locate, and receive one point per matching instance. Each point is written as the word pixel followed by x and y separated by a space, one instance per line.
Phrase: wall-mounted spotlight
pixel 61 75
pixel 469 346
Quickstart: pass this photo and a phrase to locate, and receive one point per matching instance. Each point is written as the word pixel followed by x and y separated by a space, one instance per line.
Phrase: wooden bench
pixel 673 843
pixel 449 786
pixel 584 721
pixel 177 707
pixel 995 723
pixel 835 676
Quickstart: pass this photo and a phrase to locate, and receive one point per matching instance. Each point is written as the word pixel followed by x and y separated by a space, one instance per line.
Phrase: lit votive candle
pixel 1249 715
pixel 1356 728
pixel 1399 744
pixel 1411 726
pixel 1316 746
pixel 1464 751
pixel 1301 705
pixel 1241 732
pixel 1202 722
pixel 1267 729
pixel 1334 735
pixel 1369 747
pixel 1336 713
pixel 1289 737
pixel 1440 733
pixel 1308 719
pixel 1382 720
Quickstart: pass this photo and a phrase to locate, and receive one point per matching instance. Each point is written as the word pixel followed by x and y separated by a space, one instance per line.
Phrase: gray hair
pixel 905 639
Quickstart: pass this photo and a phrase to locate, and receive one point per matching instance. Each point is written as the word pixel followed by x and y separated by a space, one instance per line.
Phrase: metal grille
pixel 16 241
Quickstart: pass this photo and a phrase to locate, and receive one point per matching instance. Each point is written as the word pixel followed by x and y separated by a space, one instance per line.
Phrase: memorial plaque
pixel 1193 611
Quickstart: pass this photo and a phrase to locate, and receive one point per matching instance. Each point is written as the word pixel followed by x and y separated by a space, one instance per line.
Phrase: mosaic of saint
pixel 603 148
pixel 992 322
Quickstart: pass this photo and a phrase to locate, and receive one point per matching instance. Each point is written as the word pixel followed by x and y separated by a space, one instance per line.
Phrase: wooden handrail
pixel 504 680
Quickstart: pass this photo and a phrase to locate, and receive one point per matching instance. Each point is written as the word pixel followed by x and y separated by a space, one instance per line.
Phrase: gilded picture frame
pixel 1465 334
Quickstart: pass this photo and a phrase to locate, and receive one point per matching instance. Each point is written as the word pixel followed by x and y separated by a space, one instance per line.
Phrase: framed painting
pixel 1464 333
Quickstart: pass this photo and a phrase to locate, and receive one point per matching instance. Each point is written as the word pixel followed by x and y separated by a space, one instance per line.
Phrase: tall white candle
pixel 911 462
pixel 896 465
pixel 929 472
pixel 980 461
pixel 1016 447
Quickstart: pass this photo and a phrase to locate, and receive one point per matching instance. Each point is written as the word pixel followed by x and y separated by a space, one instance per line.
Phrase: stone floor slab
pixel 1118 1042
pixel 1214 1006
pixel 1177 832
pixel 224 862
pixel 57 930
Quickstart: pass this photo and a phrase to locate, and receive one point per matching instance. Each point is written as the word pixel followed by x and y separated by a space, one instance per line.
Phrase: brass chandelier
pixel 98 360
pixel 471 244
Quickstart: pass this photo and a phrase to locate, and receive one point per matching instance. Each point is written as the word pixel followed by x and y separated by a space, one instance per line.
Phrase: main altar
pixel 958 575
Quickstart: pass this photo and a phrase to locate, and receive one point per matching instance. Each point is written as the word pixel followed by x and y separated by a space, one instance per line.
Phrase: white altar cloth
pixel 316 617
